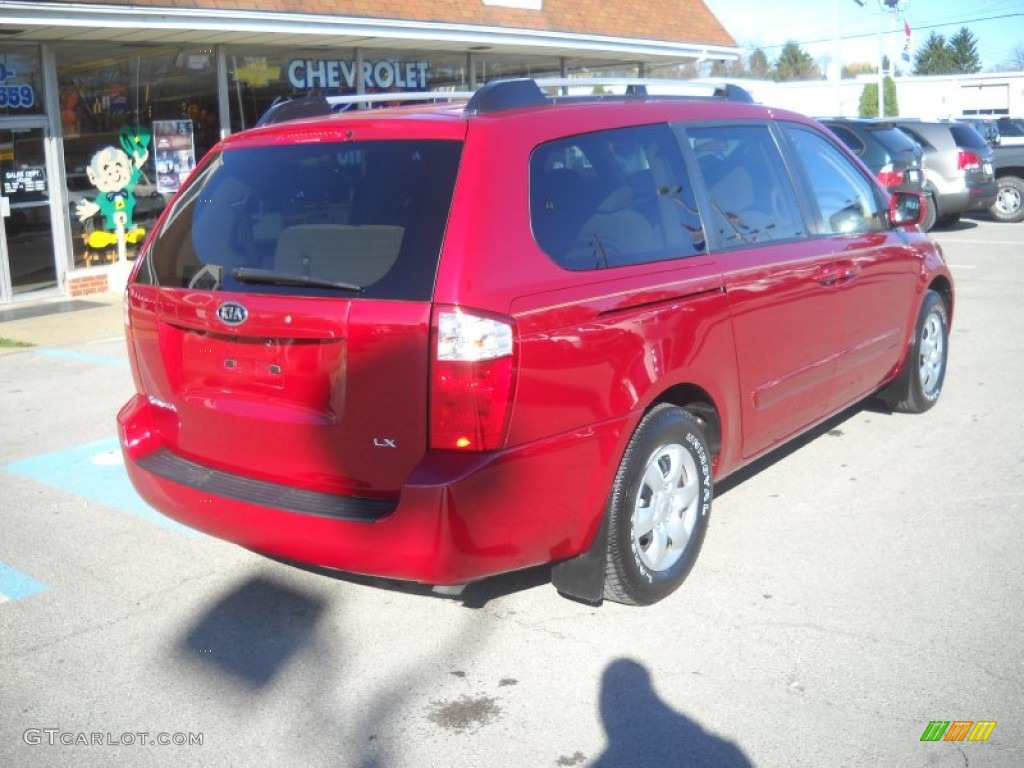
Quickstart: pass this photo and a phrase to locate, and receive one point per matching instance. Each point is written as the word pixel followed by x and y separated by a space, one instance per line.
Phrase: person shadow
pixel 642 731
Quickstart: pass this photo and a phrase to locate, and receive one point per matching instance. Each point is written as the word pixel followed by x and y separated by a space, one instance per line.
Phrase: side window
pixel 846 200
pixel 613 198
pixel 752 196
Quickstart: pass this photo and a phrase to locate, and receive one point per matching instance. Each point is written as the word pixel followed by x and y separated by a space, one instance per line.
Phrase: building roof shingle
pixel 684 21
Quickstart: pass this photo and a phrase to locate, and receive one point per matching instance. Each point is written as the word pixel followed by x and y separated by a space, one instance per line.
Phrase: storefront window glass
pixel 259 76
pixel 21 82
pixel 502 67
pixel 135 120
pixel 598 68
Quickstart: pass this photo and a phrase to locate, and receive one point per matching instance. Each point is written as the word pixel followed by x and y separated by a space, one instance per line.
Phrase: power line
pixel 874 34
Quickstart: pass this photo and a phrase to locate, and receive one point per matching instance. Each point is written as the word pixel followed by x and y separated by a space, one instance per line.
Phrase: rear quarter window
pixel 613 198
pixel 368 214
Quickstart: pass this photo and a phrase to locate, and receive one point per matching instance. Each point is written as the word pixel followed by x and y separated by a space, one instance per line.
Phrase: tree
pixel 794 64
pixel 869 99
pixel 892 106
pixel 688 70
pixel 934 57
pixel 963 51
pixel 859 68
pixel 734 68
pixel 958 55
pixel 757 64
pixel 1016 61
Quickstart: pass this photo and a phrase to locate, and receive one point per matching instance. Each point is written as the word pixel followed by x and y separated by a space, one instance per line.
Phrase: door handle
pixel 827 275
pixel 849 271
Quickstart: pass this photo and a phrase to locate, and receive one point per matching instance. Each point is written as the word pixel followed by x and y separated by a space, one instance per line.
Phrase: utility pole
pixel 896 8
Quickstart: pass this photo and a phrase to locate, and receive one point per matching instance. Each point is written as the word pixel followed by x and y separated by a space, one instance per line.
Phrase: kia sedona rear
pixel 444 342
pixel 280 332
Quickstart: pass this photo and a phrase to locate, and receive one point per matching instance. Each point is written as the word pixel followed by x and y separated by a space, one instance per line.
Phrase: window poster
pixel 175 153
pixel 25 183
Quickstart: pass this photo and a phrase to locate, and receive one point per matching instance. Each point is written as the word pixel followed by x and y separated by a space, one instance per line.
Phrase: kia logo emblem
pixel 231 313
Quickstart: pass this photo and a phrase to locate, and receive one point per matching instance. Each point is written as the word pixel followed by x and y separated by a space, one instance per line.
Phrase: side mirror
pixel 906 208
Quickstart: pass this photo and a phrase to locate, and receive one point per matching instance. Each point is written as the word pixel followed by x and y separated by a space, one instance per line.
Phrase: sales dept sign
pixel 306 74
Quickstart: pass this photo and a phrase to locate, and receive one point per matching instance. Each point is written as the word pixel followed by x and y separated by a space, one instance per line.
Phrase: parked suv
pixel 442 342
pixel 998 130
pixel 888 153
pixel 957 167
pixel 1011 131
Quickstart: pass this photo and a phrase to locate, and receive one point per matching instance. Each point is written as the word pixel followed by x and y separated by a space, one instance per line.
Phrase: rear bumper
pixel 976 197
pixel 459 517
pixel 982 195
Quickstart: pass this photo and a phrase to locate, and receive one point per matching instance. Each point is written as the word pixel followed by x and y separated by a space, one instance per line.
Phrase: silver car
pixel 957 162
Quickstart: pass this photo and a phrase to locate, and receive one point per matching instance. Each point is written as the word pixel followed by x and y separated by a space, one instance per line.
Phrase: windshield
pixel 310 219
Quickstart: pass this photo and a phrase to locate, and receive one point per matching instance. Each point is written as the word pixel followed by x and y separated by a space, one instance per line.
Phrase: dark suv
pixel 998 130
pixel 442 342
pixel 957 164
pixel 888 152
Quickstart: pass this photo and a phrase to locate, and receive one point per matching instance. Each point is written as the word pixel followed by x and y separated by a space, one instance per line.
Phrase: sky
pixel 997 25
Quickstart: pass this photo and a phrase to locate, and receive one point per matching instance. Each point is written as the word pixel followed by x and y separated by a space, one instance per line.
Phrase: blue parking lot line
pixel 83 357
pixel 15 585
pixel 94 471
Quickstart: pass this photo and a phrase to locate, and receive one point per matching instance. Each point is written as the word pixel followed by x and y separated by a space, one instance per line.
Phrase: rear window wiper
pixel 270 277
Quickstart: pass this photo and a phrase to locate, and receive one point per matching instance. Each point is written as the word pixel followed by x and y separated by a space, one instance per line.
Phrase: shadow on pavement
pixel 643 730
pixel 476 594
pixel 253 631
pixel 961 225
pixel 829 426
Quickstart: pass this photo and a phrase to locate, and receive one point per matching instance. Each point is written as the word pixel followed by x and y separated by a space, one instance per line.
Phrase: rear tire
pixel 1009 204
pixel 920 384
pixel 659 507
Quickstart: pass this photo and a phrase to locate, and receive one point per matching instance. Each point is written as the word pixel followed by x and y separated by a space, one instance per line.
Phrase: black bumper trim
pixel 169 466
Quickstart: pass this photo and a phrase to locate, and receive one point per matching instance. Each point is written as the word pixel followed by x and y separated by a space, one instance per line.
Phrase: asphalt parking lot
pixel 852 590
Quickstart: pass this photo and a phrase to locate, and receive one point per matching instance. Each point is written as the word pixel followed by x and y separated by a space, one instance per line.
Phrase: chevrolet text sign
pixel 305 74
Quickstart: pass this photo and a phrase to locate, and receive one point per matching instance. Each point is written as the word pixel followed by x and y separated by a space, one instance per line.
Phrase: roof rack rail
pixel 500 95
pixel 285 109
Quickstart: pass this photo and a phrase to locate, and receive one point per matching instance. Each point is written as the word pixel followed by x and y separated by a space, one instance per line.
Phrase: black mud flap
pixel 582 577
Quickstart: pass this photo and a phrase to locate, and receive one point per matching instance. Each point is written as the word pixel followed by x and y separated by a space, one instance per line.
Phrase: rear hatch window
pixel 966 136
pixel 361 219
pixel 899 147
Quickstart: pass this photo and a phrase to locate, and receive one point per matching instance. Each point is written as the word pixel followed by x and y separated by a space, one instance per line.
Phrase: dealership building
pixel 157 83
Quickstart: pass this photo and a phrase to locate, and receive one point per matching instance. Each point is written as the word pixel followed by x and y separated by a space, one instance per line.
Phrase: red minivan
pixel 442 342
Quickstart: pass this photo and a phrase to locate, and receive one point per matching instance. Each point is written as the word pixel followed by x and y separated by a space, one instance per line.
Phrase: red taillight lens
pixel 968 161
pixel 889 177
pixel 471 381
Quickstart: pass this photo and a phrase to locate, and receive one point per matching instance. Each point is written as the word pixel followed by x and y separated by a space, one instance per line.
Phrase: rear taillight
pixel 889 177
pixel 471 381
pixel 968 161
